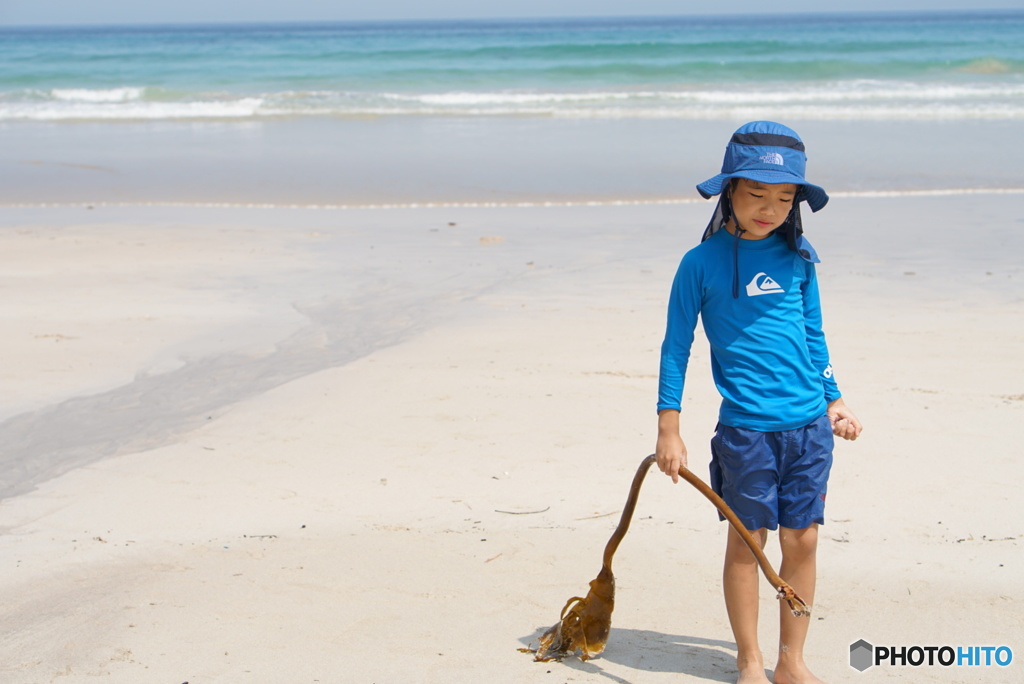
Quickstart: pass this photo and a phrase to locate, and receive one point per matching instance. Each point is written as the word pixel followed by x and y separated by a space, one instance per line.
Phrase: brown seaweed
pixel 584 623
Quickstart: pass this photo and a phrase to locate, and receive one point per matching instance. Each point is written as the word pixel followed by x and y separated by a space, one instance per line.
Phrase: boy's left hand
pixel 844 422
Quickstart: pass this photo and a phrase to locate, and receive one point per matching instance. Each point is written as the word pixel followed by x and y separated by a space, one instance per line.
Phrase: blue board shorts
pixel 773 478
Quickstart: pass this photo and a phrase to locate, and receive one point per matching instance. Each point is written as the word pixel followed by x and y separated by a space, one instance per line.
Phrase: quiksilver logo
pixel 763 284
pixel 773 158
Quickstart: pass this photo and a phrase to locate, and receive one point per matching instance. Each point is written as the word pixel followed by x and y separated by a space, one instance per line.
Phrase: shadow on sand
pixel 648 651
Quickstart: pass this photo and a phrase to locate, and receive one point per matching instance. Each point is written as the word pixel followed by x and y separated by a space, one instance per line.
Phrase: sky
pixel 74 12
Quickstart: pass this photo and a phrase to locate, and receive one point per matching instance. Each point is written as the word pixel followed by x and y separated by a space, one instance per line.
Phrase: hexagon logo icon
pixel 862 655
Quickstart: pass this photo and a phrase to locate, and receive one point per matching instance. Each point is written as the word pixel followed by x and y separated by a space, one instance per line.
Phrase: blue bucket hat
pixel 766 152
pixel 770 153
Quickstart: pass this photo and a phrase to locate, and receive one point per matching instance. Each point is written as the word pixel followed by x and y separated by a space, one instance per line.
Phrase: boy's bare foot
pixel 751 670
pixel 794 673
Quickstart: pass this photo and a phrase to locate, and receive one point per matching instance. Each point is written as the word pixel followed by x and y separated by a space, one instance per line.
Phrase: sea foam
pixel 862 100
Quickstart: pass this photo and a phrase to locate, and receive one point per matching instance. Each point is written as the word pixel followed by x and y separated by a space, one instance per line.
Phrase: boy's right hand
pixel 670 451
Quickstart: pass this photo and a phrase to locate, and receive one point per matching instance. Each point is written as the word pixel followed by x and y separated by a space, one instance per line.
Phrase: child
pixel 752 281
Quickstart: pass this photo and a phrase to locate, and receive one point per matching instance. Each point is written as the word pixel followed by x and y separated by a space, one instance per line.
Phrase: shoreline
pixel 457 161
pixel 862 194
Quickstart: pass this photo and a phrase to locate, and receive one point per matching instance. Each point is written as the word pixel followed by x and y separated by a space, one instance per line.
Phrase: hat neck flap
pixel 792 228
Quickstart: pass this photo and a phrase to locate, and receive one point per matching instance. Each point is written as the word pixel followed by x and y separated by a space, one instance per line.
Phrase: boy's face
pixel 760 208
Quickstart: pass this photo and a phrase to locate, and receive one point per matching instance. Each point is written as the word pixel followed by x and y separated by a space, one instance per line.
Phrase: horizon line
pixel 508 19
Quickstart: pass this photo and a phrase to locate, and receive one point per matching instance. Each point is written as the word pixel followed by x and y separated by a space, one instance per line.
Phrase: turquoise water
pixel 824 67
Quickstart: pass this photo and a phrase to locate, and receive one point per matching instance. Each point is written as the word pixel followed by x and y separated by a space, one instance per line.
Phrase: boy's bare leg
pixel 740 581
pixel 799 565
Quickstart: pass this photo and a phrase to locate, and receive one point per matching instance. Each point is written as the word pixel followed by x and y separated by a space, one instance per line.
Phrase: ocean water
pixel 799 67
pixel 571 110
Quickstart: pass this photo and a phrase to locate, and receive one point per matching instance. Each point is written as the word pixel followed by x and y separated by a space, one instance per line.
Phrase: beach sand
pixel 259 445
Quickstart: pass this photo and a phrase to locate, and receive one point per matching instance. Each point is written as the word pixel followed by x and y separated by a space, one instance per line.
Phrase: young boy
pixel 752 281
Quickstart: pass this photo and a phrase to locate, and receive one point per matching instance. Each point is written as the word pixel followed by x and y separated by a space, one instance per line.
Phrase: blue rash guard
pixel 768 353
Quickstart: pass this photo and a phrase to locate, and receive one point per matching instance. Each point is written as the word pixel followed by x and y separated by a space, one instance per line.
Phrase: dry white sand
pixel 372 446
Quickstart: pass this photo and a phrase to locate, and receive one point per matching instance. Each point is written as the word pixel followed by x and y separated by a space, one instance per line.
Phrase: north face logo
pixel 763 284
pixel 773 158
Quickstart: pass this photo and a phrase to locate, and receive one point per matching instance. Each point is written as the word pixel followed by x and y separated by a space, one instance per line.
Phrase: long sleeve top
pixel 769 359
